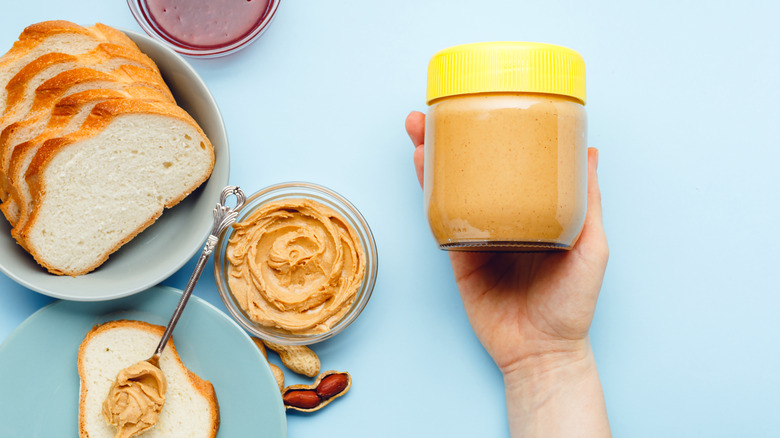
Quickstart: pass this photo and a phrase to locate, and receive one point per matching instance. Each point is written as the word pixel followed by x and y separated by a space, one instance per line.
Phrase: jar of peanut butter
pixel 505 147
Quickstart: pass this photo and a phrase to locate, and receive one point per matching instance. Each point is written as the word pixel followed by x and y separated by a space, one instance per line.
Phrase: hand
pixel 532 311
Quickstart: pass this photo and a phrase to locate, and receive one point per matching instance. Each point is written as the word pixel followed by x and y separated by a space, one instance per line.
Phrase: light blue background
pixel 683 104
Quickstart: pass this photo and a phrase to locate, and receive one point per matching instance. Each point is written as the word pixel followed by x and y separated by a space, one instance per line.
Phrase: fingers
pixel 594 193
pixel 419 160
pixel 593 240
pixel 415 128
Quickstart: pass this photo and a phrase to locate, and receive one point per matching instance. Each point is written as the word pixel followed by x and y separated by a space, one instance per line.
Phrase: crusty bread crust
pixel 18 85
pixel 31 84
pixel 203 387
pixel 51 91
pixel 35 35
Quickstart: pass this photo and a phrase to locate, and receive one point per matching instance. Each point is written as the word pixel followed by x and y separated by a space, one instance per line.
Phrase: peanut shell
pixel 277 372
pixel 298 358
pixel 278 375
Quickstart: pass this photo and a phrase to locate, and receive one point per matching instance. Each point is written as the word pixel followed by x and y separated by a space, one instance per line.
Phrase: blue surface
pixel 683 105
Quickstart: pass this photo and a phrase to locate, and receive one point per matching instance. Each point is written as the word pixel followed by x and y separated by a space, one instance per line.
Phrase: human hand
pixel 532 313
pixel 531 309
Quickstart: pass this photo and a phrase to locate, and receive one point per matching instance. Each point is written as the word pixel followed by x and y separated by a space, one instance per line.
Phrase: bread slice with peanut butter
pixel 191 409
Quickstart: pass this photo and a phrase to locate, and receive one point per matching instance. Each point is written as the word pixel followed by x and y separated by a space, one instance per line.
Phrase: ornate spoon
pixel 224 216
pixel 147 372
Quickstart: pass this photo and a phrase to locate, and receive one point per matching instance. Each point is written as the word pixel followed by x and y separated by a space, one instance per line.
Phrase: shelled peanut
pixel 329 386
pixel 298 358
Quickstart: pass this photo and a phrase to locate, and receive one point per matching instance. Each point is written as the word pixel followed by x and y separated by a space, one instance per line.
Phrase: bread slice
pixel 98 187
pixel 50 92
pixel 62 85
pixel 66 117
pixel 23 88
pixel 54 36
pixel 191 409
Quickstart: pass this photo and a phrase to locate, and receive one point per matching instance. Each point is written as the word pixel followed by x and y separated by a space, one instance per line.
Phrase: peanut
pixel 298 358
pixel 328 386
pixel 332 385
pixel 304 399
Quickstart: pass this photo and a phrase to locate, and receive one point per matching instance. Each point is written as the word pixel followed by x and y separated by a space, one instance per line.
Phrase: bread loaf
pixel 93 146
pixel 190 410
pixel 17 126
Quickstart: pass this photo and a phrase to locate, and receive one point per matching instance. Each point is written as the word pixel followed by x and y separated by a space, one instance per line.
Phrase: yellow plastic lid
pixel 506 67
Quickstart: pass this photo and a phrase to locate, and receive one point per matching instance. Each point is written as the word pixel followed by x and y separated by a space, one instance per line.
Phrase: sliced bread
pixel 97 188
pixel 190 410
pixel 66 117
pixel 54 36
pixel 93 146
pixel 20 129
pixel 21 88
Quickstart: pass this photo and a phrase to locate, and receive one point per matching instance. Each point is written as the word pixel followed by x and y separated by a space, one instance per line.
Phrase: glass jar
pixel 505 147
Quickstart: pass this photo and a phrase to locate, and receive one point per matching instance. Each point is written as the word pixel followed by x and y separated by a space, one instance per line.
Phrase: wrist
pixel 564 358
pixel 556 394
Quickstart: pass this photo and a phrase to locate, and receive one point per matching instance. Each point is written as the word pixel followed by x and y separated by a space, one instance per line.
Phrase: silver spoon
pixel 224 216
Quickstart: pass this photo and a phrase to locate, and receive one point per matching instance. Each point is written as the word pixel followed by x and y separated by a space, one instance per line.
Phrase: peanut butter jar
pixel 505 147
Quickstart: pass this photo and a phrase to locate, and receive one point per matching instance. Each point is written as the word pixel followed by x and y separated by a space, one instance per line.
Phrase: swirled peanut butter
pixel 296 265
pixel 135 399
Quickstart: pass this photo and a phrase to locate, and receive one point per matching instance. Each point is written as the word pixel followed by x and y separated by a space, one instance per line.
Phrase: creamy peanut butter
pixel 505 146
pixel 135 399
pixel 506 170
pixel 296 265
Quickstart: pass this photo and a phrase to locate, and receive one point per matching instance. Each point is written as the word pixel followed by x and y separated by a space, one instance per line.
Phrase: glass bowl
pixel 204 29
pixel 329 198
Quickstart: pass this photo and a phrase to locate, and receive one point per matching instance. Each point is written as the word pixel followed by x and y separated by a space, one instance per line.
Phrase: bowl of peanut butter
pixel 298 266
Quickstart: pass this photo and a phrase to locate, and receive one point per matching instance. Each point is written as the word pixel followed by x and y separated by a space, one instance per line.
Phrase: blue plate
pixel 39 382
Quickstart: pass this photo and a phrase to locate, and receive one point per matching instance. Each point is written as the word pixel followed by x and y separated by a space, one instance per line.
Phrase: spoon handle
pixel 224 216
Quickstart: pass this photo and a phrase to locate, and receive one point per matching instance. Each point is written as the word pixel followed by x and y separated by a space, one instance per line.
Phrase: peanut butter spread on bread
pixel 295 264
pixel 135 399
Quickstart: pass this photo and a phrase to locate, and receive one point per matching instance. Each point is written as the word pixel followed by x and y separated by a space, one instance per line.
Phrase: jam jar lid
pixel 506 66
